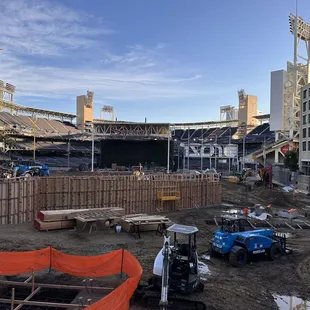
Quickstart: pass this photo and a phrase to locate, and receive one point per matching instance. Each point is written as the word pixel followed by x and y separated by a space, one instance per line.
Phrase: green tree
pixel 291 160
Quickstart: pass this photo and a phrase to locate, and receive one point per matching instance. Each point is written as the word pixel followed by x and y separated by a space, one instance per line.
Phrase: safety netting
pixel 16 263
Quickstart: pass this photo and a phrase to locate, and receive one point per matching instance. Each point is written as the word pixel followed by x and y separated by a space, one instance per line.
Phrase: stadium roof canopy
pixel 263 116
pixel 210 124
pixel 23 109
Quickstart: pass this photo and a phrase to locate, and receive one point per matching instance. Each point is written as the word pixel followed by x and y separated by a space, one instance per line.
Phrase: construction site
pixel 98 213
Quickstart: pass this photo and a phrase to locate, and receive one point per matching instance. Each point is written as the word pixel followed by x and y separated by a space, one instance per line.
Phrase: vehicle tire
pixel 19 172
pixel 238 256
pixel 275 251
pixel 211 251
pixel 200 287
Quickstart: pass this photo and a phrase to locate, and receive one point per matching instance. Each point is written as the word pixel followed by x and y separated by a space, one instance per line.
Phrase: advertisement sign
pixel 285 149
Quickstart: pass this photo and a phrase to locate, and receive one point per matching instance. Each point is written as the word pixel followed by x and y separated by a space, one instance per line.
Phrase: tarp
pixel 14 263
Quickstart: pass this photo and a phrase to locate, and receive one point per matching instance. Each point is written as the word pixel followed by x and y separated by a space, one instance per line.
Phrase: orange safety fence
pixel 14 263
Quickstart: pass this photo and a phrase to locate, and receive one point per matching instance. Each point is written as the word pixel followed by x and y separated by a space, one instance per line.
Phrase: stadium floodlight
pixel 303 28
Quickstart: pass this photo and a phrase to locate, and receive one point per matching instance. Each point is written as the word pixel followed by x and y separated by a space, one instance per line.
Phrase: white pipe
pixel 92 148
pixel 168 152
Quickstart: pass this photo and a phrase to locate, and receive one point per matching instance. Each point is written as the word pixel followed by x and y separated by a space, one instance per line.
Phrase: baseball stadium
pixel 63 141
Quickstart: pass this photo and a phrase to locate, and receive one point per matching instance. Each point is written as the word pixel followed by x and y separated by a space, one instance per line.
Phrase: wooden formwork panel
pixel 20 199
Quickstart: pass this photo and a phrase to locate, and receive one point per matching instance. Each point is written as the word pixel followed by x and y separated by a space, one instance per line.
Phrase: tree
pixel 291 160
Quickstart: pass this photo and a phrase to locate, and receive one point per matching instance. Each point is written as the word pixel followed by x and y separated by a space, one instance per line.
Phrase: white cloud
pixel 44 28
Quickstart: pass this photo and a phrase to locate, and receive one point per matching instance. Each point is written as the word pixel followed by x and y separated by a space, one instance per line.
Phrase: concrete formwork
pixel 22 198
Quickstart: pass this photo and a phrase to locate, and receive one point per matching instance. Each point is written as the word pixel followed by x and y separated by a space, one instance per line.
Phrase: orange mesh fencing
pixel 13 263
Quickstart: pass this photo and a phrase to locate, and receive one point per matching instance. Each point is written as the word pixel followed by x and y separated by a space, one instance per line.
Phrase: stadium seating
pixel 44 127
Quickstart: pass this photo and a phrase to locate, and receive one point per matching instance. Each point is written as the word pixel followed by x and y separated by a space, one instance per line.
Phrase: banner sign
pixel 197 150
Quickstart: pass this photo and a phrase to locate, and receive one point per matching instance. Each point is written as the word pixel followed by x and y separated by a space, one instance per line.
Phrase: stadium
pixel 61 140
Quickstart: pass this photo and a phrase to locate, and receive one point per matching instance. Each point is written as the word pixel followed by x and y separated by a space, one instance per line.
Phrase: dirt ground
pixel 226 288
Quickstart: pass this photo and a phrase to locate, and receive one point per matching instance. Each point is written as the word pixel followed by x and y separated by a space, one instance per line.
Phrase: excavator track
pixel 151 300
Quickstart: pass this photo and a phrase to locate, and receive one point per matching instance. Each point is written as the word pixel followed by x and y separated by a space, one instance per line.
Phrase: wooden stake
pixel 12 298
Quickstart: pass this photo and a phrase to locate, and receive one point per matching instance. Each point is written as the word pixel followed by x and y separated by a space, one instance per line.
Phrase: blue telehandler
pixel 240 240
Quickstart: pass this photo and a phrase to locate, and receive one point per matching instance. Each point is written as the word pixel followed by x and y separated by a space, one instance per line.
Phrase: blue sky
pixel 167 60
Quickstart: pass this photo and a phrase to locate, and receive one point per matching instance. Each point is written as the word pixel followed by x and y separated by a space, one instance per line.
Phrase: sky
pixel 166 60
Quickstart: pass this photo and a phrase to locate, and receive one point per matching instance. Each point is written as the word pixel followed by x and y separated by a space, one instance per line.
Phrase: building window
pixel 304 132
pixel 309 105
pixel 304 106
pixel 308 145
pixel 305 94
pixel 308 118
pixel 308 132
pixel 304 146
pixel 304 120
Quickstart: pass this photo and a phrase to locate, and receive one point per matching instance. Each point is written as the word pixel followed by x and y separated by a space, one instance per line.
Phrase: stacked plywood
pixel 59 219
pixel 146 222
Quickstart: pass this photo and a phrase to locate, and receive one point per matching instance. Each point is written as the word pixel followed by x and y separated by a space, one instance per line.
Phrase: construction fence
pixel 21 199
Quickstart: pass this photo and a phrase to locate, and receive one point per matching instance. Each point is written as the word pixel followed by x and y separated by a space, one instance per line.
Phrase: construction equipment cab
pixel 239 240
pixel 181 261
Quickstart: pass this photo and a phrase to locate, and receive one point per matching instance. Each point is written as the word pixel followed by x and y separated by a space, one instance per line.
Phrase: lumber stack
pixel 146 222
pixel 40 225
pixel 60 219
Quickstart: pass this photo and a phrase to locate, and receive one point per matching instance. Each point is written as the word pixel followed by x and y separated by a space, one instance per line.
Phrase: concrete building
pixel 247 113
pixel 304 146
pixel 84 109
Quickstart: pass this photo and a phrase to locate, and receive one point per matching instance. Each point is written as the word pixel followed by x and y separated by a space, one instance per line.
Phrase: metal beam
pixel 28 297
pixel 56 286
pixel 41 303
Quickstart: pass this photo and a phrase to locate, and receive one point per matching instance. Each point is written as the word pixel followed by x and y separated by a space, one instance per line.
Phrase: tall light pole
pixel 215 150
pixel 34 118
pixel 244 125
pixel 168 152
pixel 92 147
pixel 264 151
pixel 188 148
pixel 229 143
pixel 201 151
pixel 69 148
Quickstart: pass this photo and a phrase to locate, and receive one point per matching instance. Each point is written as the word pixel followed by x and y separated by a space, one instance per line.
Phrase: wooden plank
pixel 40 225
pixel 59 215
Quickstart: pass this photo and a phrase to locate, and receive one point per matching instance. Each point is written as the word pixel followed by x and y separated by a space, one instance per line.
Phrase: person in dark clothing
pixel 267 179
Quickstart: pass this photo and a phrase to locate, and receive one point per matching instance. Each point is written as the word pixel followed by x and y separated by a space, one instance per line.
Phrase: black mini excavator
pixel 175 274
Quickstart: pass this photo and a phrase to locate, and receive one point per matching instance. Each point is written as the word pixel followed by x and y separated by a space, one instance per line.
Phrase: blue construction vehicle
pixel 31 171
pixel 20 170
pixel 240 240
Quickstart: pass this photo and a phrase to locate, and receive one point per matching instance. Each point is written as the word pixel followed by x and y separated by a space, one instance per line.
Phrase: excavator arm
pixel 163 304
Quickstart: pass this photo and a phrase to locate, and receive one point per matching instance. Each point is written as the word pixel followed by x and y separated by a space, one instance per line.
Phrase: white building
pixel 304 146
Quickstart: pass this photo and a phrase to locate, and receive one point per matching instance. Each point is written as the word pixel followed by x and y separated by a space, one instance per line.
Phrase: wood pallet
pixel 145 222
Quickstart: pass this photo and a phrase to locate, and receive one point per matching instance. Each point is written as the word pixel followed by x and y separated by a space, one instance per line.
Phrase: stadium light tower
pixel 301 69
pixel 106 109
